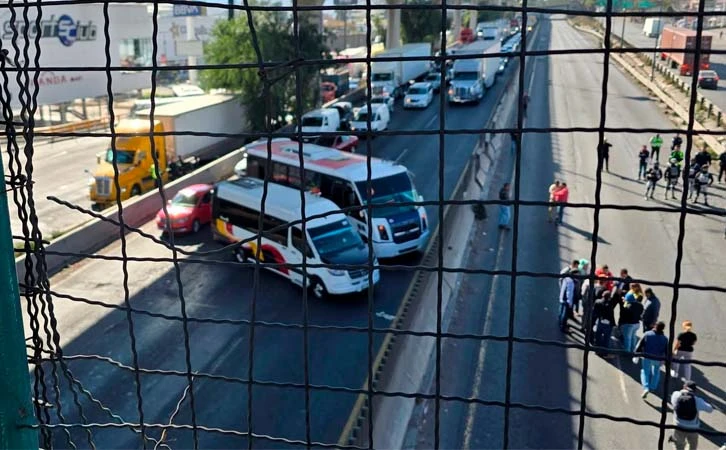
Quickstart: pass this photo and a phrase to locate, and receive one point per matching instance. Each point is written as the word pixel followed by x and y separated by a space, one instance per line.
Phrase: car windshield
pixel 465 75
pixel 122 156
pixel 417 91
pixel 433 77
pixel 184 199
pixel 382 77
pixel 326 141
pixel 312 121
pixel 378 100
pixel 361 116
pixel 335 238
pixel 390 191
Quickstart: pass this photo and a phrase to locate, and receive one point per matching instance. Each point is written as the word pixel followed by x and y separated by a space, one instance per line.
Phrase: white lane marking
pixel 431 120
pixel 534 71
pixel 59 154
pixel 384 315
pixel 621 378
pixel 400 157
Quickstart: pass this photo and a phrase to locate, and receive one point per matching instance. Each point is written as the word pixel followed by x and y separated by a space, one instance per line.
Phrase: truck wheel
pixel 317 288
pixel 136 190
pixel 240 255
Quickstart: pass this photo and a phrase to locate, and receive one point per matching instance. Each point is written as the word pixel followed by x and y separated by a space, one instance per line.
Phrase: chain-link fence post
pixel 16 408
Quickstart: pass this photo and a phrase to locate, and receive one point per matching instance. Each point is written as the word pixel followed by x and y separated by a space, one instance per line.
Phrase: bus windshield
pixel 390 190
pixel 335 238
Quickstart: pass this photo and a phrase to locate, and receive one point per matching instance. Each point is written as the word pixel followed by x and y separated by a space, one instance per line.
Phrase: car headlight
pixel 383 233
pixel 123 190
pixel 451 91
pixel 91 181
pixel 336 272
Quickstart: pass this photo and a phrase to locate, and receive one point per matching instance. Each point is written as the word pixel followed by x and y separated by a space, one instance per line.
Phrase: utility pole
pixel 230 11
pixel 657 38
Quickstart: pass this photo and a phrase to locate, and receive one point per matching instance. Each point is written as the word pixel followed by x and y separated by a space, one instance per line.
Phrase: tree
pixel 420 25
pixel 231 43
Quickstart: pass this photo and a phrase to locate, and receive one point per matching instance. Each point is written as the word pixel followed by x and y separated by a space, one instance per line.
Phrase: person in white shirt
pixel 551 210
pixel 686 406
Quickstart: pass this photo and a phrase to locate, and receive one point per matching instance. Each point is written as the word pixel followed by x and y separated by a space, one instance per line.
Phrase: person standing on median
pixel 656 142
pixel 686 406
pixel 651 310
pixel 505 211
pixel 655 344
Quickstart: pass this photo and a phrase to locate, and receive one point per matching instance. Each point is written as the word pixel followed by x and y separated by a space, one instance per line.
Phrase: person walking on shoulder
pixel 683 351
pixel 686 406
pixel 505 210
pixel 651 310
pixel 554 187
pixel 656 142
pixel 652 177
pixel 653 343
pixel 560 197
pixel 643 157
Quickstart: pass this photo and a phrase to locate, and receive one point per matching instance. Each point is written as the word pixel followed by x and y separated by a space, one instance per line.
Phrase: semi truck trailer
pixel 673 42
pixel 392 77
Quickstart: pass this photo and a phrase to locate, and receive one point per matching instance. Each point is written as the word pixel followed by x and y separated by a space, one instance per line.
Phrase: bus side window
pixel 274 229
pixel 299 243
pixel 279 173
pixel 343 195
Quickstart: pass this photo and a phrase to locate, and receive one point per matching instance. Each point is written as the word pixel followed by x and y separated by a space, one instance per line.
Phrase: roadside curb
pixel 710 140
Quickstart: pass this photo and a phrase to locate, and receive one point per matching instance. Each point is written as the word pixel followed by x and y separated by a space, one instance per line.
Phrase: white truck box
pixel 391 76
pixel 203 113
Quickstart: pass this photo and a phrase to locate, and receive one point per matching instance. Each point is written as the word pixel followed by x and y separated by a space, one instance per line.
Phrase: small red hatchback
pixel 188 210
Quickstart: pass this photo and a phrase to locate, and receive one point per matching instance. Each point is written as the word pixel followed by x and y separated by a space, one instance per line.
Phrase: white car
pixel 434 79
pixel 419 95
pixel 379 119
pixel 383 100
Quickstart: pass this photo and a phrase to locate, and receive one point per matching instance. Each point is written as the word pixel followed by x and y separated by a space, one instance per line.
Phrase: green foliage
pixel 420 25
pixel 231 43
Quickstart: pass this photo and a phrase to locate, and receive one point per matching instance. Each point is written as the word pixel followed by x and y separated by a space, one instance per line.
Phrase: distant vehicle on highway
pixel 188 210
pixel 502 66
pixel 682 39
pixel 331 239
pixel 343 178
pixel 176 154
pixel 380 117
pixel 344 143
pixel 383 100
pixel 434 79
pixel 652 26
pixel 391 77
pixel 471 77
pixel 420 95
pixel 321 120
pixel 708 79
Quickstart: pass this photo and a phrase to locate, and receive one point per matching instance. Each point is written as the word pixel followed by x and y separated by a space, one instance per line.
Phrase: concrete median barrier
pixel 98 233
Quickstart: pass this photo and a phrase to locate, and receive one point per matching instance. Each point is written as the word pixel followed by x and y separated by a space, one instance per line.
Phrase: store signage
pixel 189 10
pixel 64 28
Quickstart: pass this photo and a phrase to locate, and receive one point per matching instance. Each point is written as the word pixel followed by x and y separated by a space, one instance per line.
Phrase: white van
pixel 321 121
pixel 330 239
pixel 379 119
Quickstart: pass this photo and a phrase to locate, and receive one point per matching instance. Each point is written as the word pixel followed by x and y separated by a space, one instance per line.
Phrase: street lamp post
pixel 655 45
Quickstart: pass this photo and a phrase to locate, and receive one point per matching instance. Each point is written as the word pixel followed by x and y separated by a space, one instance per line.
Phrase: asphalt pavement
pixel 645 242
pixel 335 357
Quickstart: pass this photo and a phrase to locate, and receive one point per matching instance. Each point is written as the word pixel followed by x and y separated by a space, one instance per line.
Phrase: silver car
pixel 434 79
pixel 384 100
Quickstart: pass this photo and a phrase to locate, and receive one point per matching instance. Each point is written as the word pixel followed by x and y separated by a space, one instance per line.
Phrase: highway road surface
pixel 645 242
pixel 335 358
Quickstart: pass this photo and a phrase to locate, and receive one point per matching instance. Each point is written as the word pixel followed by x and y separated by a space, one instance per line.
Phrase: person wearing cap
pixel 683 351
pixel 652 344
pixel 651 310
pixel 686 407
pixel 631 311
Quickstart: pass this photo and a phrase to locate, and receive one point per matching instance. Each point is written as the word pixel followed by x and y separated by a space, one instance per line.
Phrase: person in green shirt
pixel 656 142
pixel 152 171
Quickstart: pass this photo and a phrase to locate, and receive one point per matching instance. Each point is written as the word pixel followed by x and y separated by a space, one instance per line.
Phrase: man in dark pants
pixel 651 310
pixel 566 298
pixel 721 165
pixel 603 316
pixel 603 154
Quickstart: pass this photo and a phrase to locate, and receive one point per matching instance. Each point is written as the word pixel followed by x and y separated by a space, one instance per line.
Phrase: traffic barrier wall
pixel 98 233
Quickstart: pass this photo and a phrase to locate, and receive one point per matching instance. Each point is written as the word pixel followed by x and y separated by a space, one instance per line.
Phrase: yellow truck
pixel 177 154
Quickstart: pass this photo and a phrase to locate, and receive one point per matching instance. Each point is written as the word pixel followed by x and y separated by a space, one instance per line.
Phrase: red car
pixel 188 210
pixel 347 143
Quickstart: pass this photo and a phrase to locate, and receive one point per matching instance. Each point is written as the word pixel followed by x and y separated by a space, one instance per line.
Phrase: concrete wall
pixel 98 233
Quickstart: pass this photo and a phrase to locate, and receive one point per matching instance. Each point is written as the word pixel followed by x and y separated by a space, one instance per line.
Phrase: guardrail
pixel 98 233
